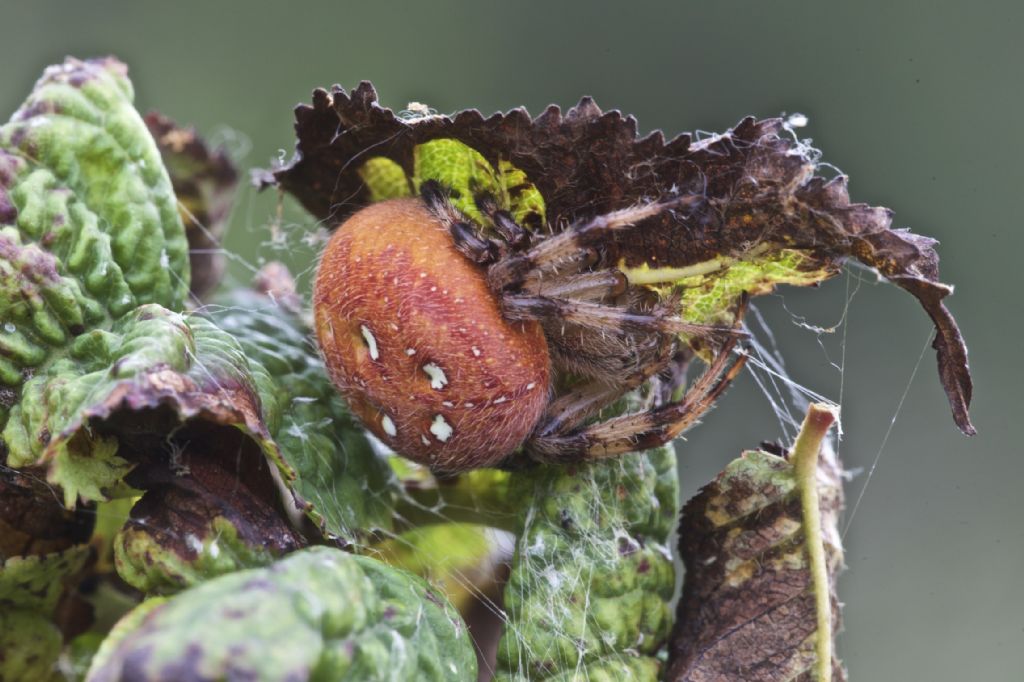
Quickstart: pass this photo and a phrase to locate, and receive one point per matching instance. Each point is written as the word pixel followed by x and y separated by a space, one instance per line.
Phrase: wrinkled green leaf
pixel 36 583
pixel 89 225
pixel 592 575
pixel 30 589
pixel 317 614
pixel 150 358
pixel 173 396
pixel 30 645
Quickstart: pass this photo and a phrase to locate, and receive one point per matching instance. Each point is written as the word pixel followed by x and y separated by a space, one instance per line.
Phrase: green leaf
pixel 592 576
pixel 87 474
pixel 35 583
pixel 464 173
pixel 172 403
pixel 316 614
pixel 151 357
pixel 89 225
pixel 30 646
pixel 30 589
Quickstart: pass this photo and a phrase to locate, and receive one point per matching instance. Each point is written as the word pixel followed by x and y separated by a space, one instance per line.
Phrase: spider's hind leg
pixel 641 430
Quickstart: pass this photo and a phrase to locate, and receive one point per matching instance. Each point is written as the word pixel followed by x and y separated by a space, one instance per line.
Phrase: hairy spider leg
pixel 600 317
pixel 639 359
pixel 514 234
pixel 573 249
pixel 641 430
pixel 571 408
pixel 466 236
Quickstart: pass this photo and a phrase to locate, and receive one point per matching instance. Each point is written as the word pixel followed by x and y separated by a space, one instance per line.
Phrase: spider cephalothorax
pixel 499 282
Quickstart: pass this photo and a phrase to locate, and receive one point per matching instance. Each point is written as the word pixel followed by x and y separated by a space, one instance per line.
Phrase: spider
pixel 495 284
pixel 449 345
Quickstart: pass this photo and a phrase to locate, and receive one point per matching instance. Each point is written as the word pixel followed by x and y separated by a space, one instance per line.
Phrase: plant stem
pixel 805 461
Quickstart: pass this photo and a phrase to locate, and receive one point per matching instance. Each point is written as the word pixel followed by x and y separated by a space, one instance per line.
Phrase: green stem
pixel 805 460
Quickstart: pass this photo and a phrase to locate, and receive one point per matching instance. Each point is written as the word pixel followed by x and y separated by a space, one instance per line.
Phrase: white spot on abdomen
pixel 441 429
pixel 476 351
pixel 388 426
pixel 371 341
pixel 438 379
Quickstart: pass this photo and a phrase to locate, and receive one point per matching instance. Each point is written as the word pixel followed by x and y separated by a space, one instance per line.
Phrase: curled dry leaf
pixel 204 181
pixel 32 520
pixel 760 214
pixel 762 550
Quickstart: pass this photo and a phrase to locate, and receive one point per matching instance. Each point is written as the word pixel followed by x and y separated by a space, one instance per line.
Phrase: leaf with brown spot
pixel 199 520
pixel 762 550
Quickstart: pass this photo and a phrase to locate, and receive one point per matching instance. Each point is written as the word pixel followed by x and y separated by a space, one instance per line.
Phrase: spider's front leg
pixel 602 318
pixel 512 232
pixel 572 248
pixel 465 235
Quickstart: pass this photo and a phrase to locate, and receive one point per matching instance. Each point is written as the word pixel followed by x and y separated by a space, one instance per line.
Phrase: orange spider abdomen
pixel 415 341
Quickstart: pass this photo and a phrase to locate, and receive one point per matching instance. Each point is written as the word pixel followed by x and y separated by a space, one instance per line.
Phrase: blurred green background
pixel 917 101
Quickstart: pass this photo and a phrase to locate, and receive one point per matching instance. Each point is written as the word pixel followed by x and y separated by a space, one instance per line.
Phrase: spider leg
pixel 607 318
pixel 507 228
pixel 471 245
pixel 588 286
pixel 565 248
pixel 464 234
pixel 571 409
pixel 641 430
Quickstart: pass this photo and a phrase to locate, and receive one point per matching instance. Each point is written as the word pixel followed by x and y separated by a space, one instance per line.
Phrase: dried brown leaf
pixel 204 181
pixel 758 187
